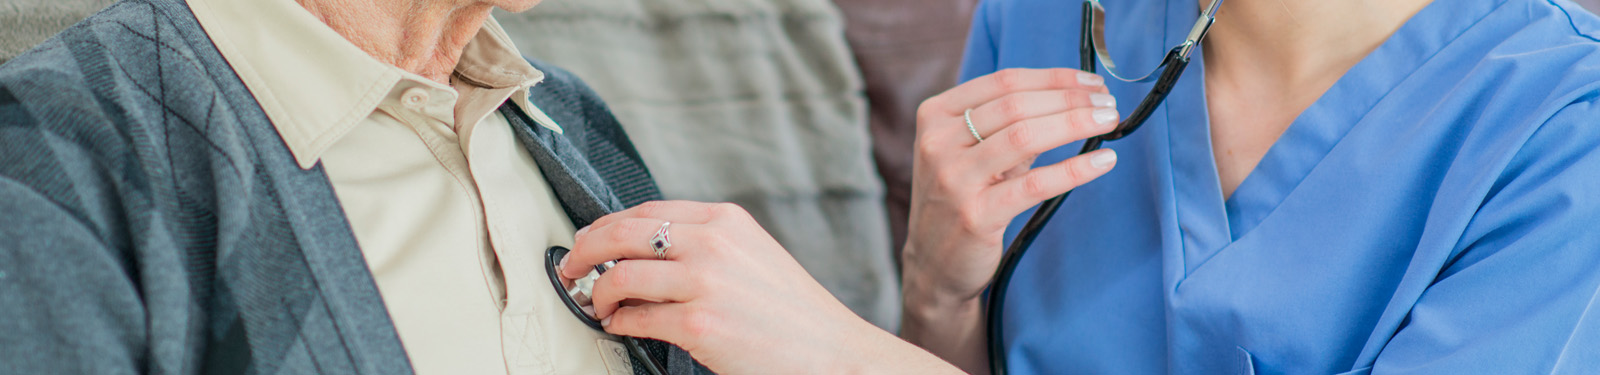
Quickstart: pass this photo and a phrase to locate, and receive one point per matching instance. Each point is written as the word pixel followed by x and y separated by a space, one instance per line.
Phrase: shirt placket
pixel 430 112
pixel 520 327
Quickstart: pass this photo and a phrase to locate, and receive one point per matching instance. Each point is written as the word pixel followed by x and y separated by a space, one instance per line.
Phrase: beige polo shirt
pixel 450 211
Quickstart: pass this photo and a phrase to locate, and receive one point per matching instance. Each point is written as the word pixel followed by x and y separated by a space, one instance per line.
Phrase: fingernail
pixel 562 265
pixel 581 232
pixel 588 310
pixel 1103 159
pixel 1105 116
pixel 1090 79
pixel 605 322
pixel 1103 100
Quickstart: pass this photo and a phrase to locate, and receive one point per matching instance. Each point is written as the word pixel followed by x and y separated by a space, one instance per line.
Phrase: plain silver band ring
pixel 661 242
pixel 973 129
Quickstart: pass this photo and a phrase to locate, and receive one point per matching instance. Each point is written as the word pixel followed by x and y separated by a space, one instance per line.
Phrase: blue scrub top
pixel 1436 211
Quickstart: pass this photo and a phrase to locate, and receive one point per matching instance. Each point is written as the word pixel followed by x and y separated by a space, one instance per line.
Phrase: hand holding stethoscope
pixel 966 191
pixel 707 278
pixel 733 304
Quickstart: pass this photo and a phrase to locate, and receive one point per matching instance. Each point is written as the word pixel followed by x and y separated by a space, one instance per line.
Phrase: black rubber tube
pixel 1173 66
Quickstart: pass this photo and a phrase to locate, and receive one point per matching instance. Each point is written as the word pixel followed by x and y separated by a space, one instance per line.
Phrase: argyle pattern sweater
pixel 152 220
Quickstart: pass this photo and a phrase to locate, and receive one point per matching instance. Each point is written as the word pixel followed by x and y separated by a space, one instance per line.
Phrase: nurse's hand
pixel 965 191
pixel 730 295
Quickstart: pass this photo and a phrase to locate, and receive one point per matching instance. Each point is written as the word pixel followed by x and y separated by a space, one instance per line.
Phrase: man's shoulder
pixel 129 98
pixel 125 29
pixel 562 91
pixel 581 113
pixel 555 75
pixel 595 132
pixel 130 63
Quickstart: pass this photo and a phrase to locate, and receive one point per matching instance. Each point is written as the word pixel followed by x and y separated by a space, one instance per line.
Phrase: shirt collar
pixel 315 85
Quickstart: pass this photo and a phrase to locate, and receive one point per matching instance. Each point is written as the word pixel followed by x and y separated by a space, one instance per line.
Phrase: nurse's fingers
pixel 1018 194
pixel 627 239
pixel 674 211
pixel 996 116
pixel 1021 142
pixel 677 323
pixel 998 84
pixel 641 279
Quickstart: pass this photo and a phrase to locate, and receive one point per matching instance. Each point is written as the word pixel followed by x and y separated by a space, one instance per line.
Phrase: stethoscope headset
pixel 1091 47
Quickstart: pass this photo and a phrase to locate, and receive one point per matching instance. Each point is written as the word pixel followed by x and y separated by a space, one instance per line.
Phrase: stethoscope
pixel 577 294
pixel 1091 47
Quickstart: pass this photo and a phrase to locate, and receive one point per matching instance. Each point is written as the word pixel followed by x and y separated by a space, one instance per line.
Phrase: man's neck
pixel 1295 41
pixel 425 37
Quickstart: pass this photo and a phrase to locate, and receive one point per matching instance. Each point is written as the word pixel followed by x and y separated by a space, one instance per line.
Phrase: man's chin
pixel 516 6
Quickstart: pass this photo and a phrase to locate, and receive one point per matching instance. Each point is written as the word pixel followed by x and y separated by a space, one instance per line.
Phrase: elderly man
pixel 328 186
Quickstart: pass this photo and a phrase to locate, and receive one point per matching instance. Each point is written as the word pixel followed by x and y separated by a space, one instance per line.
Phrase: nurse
pixel 1333 187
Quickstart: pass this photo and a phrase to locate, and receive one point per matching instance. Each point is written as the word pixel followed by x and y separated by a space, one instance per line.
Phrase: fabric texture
pixel 1431 213
pixel 754 102
pixel 908 51
pixel 152 221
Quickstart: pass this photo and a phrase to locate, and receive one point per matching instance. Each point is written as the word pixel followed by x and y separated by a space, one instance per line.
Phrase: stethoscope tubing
pixel 1173 66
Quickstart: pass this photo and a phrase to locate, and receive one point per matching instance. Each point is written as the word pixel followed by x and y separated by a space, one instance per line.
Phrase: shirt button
pixel 414 98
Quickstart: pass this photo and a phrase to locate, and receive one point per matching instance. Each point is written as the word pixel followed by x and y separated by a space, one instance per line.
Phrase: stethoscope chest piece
pixel 577 295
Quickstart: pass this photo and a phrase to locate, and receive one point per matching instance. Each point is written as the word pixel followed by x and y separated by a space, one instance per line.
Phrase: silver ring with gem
pixel 973 129
pixel 660 243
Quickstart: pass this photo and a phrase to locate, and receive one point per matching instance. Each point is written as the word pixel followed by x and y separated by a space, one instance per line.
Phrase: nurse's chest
pixel 1301 277
pixel 1302 292
pixel 1247 118
pixel 1305 287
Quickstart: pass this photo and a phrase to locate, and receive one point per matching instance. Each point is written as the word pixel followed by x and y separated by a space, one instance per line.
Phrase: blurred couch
pixel 754 102
pixel 908 51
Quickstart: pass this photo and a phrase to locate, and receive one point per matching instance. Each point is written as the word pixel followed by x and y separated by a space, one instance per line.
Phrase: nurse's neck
pixel 1300 41
pixel 1266 61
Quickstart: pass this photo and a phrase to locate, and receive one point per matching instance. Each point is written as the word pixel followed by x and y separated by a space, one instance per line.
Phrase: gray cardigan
pixel 152 220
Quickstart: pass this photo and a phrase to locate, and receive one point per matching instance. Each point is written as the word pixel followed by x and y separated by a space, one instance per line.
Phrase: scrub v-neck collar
pixel 1208 223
